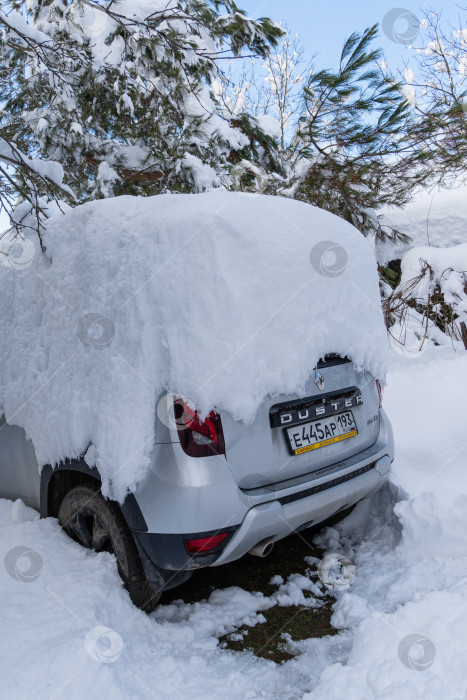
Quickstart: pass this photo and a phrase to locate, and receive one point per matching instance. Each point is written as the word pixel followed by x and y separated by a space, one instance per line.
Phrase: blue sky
pixel 324 25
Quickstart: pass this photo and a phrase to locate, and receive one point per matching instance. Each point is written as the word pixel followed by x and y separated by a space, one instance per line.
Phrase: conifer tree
pixel 360 143
pixel 115 96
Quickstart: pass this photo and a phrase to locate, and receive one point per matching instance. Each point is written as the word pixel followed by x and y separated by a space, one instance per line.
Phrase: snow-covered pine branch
pixel 27 178
pixel 272 87
pixel 24 179
pixel 119 92
pixel 358 140
pixel 350 142
pixel 267 94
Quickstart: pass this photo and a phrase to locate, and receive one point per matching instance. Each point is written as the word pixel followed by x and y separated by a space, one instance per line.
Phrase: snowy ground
pixel 435 218
pixel 68 630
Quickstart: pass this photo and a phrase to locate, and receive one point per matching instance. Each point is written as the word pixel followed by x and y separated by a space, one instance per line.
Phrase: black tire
pixel 96 523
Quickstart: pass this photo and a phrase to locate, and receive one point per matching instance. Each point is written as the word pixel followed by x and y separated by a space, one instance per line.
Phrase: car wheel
pixel 96 523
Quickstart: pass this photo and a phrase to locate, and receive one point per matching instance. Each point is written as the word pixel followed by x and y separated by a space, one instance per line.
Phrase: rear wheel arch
pixel 57 482
pixel 98 523
pixel 72 493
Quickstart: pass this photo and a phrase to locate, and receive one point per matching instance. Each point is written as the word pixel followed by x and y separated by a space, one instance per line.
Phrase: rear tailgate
pixel 261 454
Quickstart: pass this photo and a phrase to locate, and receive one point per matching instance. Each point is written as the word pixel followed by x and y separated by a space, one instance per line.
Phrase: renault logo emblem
pixel 319 381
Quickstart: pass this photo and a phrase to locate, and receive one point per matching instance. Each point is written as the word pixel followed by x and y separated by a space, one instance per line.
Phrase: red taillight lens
pixel 205 544
pixel 380 392
pixel 198 438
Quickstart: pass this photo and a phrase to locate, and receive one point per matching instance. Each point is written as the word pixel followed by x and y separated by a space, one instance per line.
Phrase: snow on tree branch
pixel 119 92
pixel 438 85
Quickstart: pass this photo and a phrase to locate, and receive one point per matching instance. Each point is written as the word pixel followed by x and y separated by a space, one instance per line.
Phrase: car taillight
pixel 205 544
pixel 380 392
pixel 198 438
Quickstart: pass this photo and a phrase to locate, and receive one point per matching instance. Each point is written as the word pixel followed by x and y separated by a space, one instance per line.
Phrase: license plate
pixel 319 433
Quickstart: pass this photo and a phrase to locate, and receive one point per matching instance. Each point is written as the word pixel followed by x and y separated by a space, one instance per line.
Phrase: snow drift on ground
pixel 436 218
pixel 447 271
pixel 426 271
pixel 408 605
pixel 69 630
pixel 222 297
pixel 448 266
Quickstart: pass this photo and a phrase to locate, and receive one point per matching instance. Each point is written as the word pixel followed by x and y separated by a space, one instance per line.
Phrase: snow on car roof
pixel 226 298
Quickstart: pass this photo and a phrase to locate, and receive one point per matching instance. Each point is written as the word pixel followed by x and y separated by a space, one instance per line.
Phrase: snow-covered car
pixel 226 392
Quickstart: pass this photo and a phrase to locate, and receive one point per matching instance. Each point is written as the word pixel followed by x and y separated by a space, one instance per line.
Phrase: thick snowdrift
pixel 426 271
pixel 407 606
pixel 438 218
pixel 449 265
pixel 224 298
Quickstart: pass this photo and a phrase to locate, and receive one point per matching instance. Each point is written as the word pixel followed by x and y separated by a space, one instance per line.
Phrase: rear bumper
pixel 279 518
pixel 199 498
pixel 167 563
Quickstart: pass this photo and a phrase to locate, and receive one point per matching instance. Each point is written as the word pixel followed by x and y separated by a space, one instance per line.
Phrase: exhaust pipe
pixel 262 549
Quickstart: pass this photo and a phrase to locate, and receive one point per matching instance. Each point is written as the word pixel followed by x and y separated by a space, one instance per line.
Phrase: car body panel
pixel 207 494
pixel 258 490
pixel 258 454
pixel 19 470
